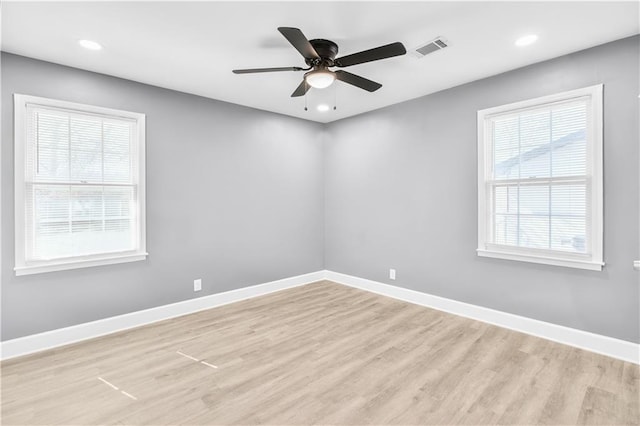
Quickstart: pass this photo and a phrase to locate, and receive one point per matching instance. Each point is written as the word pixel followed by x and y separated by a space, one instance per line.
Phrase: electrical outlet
pixel 392 274
pixel 197 284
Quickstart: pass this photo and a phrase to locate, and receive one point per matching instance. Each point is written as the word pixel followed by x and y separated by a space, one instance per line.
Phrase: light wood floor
pixel 319 354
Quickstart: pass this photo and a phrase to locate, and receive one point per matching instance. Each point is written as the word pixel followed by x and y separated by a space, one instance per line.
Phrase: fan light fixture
pixel 320 55
pixel 320 78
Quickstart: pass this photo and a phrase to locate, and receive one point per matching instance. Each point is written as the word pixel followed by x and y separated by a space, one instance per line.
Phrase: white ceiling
pixel 192 47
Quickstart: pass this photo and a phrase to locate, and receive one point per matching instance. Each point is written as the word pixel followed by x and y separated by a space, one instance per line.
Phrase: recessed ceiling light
pixel 526 40
pixel 323 107
pixel 91 45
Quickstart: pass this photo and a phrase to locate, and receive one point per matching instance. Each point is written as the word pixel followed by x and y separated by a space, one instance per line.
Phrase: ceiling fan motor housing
pixel 326 49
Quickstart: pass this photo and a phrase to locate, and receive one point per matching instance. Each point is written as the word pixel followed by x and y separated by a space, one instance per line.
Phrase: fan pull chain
pixel 305 94
pixel 335 97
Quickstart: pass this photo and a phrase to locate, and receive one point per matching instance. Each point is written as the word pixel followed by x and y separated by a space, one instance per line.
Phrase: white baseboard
pixel 64 336
pixel 615 348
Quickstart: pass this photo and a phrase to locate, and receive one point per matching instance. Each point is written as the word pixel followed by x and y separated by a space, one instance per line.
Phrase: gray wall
pixel 249 184
pixel 393 188
pixel 400 192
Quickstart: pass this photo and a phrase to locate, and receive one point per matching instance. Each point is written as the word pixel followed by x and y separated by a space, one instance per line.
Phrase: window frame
pixel 594 260
pixel 23 266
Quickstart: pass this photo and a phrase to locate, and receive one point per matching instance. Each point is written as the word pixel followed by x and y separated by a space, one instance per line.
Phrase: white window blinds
pixel 540 164
pixel 82 194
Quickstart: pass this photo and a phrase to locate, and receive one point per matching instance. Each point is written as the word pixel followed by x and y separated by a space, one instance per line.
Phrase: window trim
pixel 24 267
pixel 595 165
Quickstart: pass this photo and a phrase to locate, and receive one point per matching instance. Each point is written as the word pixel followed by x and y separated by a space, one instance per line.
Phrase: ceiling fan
pixel 320 55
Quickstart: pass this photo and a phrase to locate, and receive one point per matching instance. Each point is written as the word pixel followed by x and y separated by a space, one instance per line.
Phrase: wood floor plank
pixel 321 353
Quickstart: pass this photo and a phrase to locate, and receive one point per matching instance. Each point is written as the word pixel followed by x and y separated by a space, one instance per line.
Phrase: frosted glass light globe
pixel 320 78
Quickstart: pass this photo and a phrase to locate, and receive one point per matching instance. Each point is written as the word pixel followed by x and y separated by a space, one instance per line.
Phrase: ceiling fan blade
pixel 253 70
pixel 375 54
pixel 301 90
pixel 356 80
pixel 299 41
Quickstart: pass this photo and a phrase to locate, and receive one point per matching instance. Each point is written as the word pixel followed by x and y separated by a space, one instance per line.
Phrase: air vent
pixel 432 46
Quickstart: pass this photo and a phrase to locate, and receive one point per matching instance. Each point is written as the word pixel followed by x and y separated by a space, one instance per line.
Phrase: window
pixel 79 185
pixel 540 180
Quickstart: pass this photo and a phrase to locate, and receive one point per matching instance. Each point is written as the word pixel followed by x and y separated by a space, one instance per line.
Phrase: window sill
pixel 79 263
pixel 569 263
